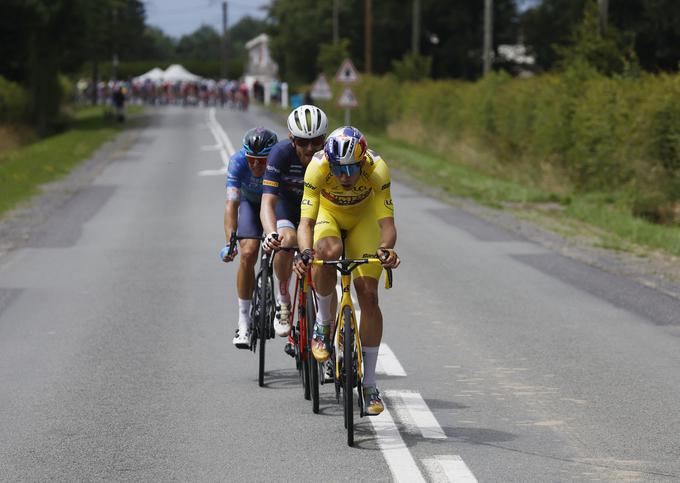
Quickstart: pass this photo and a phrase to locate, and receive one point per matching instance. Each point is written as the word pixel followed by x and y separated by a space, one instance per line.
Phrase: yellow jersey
pixel 372 189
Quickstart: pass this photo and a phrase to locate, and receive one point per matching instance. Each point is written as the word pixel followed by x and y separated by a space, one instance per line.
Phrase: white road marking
pixel 213 172
pixel 224 146
pixel 417 412
pixel 223 135
pixel 388 363
pixel 450 468
pixel 396 454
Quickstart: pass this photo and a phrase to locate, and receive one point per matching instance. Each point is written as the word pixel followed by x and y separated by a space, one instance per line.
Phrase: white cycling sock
pixel 281 291
pixel 244 313
pixel 370 361
pixel 324 316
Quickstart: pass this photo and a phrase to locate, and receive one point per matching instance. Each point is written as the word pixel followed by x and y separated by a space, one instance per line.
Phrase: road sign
pixel 321 90
pixel 347 73
pixel 347 99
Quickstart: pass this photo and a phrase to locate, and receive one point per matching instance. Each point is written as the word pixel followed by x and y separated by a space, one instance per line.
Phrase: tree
pixel 203 44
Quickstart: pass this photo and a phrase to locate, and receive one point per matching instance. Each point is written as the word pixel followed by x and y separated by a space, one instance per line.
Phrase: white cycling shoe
pixel 282 320
pixel 242 338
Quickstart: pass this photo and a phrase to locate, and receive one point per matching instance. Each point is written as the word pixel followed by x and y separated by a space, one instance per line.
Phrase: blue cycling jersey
pixel 285 175
pixel 239 176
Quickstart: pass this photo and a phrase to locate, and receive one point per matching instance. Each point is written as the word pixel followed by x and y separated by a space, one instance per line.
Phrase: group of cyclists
pixel 302 192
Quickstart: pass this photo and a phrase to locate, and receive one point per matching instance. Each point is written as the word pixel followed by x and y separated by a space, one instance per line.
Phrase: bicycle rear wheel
pixel 348 376
pixel 313 364
pixel 262 321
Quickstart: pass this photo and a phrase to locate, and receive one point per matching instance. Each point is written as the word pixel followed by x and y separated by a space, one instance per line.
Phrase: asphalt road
pixel 506 362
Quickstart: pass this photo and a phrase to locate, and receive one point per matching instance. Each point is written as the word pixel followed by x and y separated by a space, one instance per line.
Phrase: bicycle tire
pixel 313 364
pixel 348 376
pixel 262 319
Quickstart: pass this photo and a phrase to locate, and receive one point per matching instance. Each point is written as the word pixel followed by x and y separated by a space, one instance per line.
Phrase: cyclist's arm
pixel 305 234
pixel 309 208
pixel 231 212
pixel 233 186
pixel 268 212
pixel 270 191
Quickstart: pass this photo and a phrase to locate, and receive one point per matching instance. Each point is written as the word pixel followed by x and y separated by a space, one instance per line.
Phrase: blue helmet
pixel 259 141
pixel 345 145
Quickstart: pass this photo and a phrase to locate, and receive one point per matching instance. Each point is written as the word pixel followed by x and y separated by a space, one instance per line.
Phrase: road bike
pixel 263 307
pixel 300 340
pixel 347 343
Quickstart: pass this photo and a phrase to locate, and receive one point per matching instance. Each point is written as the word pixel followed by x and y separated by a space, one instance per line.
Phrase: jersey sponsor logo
pixel 306 202
pixel 310 186
pixel 268 182
pixel 322 222
pixel 385 186
pixel 389 204
pixel 343 200
pixel 273 169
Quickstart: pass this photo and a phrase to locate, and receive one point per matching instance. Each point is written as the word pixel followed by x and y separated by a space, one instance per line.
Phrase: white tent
pixel 176 73
pixel 154 75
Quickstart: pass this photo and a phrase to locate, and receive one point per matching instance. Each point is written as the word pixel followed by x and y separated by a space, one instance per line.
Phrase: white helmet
pixel 307 122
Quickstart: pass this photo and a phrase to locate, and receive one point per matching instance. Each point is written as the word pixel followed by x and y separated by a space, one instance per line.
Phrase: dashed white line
pixel 396 454
pixel 388 363
pixel 224 145
pixel 419 413
pixel 450 468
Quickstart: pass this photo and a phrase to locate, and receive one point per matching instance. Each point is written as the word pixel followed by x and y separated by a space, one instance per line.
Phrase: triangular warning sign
pixel 321 90
pixel 347 73
pixel 347 98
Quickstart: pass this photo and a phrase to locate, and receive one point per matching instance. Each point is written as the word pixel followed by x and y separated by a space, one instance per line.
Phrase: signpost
pixel 347 74
pixel 321 90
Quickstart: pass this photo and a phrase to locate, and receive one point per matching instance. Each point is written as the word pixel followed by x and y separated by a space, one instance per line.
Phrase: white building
pixel 260 66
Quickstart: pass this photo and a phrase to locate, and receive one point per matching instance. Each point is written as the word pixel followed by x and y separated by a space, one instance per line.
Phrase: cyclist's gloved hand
pixel 227 257
pixel 389 257
pixel 271 242
pixel 301 262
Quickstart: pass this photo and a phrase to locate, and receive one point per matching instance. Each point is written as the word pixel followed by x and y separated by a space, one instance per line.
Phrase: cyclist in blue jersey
pixel 282 189
pixel 242 215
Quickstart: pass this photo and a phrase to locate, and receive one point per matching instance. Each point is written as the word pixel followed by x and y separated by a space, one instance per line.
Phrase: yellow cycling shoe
pixel 372 402
pixel 321 346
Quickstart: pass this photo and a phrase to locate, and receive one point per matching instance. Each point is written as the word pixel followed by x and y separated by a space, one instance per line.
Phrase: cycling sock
pixel 323 316
pixel 244 312
pixel 281 291
pixel 370 361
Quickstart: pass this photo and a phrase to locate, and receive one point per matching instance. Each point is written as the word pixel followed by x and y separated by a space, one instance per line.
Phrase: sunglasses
pixel 256 160
pixel 348 169
pixel 314 142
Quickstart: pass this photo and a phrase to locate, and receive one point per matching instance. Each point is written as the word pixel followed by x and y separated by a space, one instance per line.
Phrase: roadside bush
pixel 14 102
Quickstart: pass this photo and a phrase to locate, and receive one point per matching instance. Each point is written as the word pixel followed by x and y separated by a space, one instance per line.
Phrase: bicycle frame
pixel 345 267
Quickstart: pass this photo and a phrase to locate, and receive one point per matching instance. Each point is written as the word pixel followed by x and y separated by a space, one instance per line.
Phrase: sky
pixel 180 17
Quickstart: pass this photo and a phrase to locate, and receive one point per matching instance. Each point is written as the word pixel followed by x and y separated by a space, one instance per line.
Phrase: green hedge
pixel 570 132
pixel 14 102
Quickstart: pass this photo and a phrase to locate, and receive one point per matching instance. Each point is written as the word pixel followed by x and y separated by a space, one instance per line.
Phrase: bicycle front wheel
pixel 313 364
pixel 348 376
pixel 262 322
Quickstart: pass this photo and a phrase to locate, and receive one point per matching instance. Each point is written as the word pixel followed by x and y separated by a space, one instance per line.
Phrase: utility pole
pixel 488 34
pixel 604 14
pixel 368 36
pixel 415 32
pixel 336 28
pixel 225 58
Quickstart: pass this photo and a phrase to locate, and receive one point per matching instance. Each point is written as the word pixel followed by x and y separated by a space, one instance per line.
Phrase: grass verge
pixel 604 220
pixel 23 170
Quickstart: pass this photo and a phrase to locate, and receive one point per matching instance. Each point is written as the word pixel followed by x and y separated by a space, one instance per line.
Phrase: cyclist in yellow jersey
pixel 347 187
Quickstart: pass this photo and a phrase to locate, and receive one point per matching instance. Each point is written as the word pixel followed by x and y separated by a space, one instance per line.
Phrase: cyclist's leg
pixel 248 225
pixel 287 219
pixel 362 241
pixel 328 246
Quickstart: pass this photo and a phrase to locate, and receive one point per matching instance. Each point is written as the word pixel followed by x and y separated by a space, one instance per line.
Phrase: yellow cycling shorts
pixel 363 235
